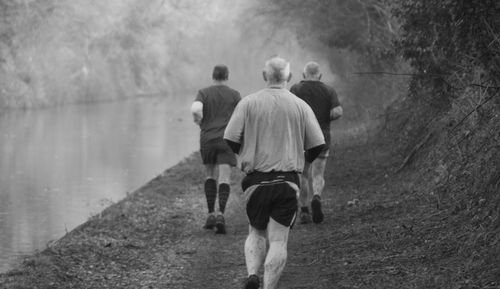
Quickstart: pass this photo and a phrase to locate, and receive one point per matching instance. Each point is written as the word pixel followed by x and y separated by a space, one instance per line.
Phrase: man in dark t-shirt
pixel 324 102
pixel 212 110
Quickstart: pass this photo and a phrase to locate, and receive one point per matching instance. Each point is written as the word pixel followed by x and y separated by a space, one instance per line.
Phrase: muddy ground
pixel 393 236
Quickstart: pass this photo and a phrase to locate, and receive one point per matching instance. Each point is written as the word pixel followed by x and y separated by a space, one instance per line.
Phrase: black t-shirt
pixel 219 102
pixel 321 98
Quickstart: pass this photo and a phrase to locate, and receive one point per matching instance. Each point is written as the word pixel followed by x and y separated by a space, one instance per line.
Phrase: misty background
pixel 57 52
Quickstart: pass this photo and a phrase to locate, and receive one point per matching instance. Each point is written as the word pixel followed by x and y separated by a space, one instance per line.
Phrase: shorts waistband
pixel 256 177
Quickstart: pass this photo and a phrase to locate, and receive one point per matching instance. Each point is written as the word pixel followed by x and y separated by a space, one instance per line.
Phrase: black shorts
pixel 272 198
pixel 217 152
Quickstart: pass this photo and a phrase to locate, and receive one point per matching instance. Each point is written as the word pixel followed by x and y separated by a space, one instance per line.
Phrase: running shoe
pixel 317 214
pixel 210 223
pixel 252 282
pixel 220 225
pixel 305 218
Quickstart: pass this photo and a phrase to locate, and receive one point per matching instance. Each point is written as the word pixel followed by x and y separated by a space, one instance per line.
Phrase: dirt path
pixel 375 243
pixel 154 238
pixel 340 250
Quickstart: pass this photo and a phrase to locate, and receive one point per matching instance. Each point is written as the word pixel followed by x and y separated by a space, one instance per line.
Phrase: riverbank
pixel 60 166
pixel 380 231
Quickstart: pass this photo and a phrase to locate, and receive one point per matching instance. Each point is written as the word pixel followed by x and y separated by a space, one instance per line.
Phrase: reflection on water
pixel 58 167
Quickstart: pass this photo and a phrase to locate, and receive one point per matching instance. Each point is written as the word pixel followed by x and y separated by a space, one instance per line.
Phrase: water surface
pixel 60 166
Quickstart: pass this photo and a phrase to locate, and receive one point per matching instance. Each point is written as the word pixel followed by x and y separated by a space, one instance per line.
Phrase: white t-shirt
pixel 274 128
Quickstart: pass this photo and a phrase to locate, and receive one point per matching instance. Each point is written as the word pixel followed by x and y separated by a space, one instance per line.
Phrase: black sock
pixel 211 194
pixel 223 196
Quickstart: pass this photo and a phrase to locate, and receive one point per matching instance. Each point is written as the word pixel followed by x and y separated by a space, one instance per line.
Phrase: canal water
pixel 59 167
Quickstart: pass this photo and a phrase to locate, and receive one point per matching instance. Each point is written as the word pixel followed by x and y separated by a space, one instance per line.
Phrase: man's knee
pixel 277 232
pixel 224 174
pixel 210 171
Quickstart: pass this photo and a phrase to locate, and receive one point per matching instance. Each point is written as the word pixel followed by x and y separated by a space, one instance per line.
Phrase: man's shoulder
pixel 326 86
pixel 205 90
pixel 255 95
pixel 318 83
pixel 229 91
pixel 310 84
pixel 296 86
pixel 213 88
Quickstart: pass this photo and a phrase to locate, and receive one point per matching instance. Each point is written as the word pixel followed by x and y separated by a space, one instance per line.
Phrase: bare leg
pixel 317 175
pixel 224 174
pixel 277 254
pixel 305 185
pixel 255 250
pixel 210 171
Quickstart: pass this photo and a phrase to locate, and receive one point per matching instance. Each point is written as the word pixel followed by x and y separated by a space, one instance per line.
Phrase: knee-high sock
pixel 211 194
pixel 224 190
pixel 274 264
pixel 255 252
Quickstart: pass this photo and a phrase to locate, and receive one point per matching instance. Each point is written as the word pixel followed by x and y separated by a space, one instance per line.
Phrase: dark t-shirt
pixel 219 102
pixel 321 98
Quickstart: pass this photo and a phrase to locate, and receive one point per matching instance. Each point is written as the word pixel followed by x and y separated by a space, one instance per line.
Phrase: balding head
pixel 311 71
pixel 277 71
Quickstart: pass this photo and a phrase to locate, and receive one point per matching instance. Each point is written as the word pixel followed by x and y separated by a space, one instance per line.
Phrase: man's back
pixel 320 97
pixel 219 102
pixel 275 123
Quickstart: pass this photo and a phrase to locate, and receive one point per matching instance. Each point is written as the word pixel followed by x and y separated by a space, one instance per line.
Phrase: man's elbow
pixel 336 113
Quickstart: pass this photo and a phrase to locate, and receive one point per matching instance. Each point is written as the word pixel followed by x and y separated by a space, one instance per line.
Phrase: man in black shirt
pixel 324 102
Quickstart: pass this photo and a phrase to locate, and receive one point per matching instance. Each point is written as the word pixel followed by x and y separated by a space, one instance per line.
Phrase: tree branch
pixel 398 74
pixel 472 111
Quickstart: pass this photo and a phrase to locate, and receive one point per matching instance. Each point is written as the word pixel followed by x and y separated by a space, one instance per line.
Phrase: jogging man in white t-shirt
pixel 270 130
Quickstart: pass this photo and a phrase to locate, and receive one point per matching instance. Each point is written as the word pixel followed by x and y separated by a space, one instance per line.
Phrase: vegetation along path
pixel 377 233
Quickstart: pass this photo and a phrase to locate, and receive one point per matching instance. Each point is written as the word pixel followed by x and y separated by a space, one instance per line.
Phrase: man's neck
pixel 311 78
pixel 219 82
pixel 276 85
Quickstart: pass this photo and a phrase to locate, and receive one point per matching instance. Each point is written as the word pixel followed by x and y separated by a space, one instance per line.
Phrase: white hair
pixel 311 68
pixel 277 70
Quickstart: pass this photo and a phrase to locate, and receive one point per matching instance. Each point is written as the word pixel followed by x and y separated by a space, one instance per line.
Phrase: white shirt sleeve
pixel 236 124
pixel 197 111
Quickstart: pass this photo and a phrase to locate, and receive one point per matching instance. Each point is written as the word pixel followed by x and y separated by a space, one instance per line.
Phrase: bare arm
pixel 336 112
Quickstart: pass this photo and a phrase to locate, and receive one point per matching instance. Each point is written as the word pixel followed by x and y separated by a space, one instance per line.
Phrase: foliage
pixel 449 42
pixel 59 51
pixel 356 37
pixel 448 126
pixel 362 27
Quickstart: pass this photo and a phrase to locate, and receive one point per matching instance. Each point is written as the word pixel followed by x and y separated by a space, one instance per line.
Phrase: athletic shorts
pixel 271 195
pixel 217 152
